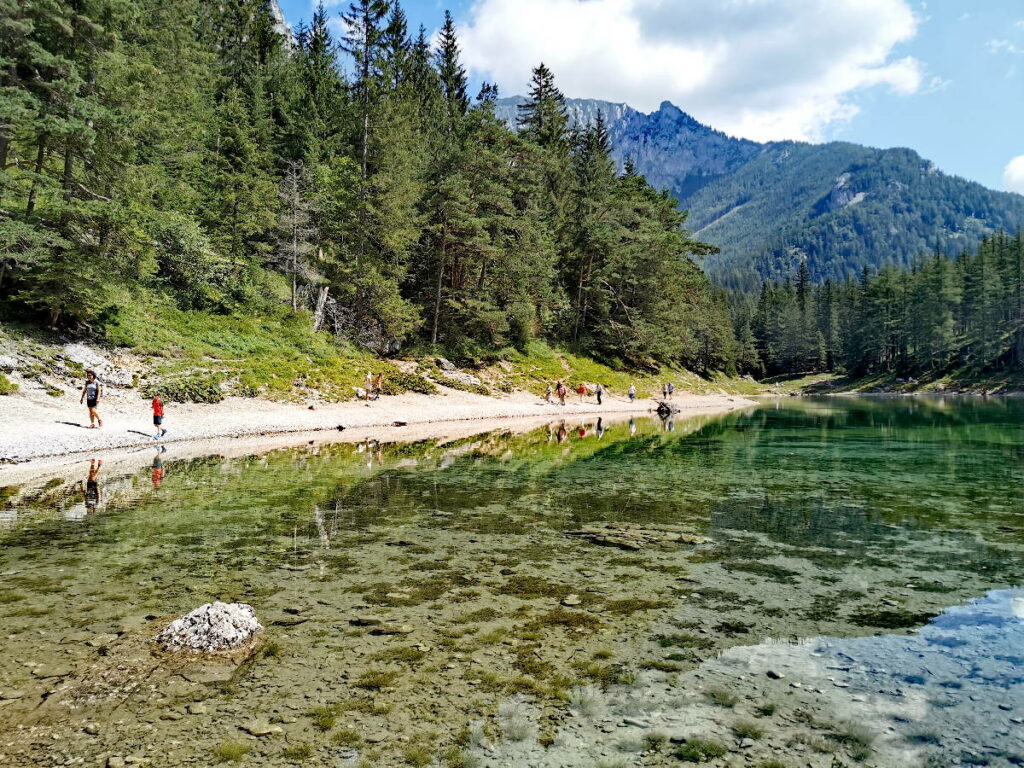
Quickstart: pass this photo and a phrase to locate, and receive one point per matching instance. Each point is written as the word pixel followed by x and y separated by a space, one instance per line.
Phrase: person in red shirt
pixel 158 418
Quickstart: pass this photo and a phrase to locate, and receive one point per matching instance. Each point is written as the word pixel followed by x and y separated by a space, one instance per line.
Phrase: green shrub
pixel 229 752
pixel 6 385
pixel 397 382
pixel 477 389
pixel 195 388
pixel 700 751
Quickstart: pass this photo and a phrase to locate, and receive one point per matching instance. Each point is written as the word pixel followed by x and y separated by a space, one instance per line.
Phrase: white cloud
pixel 765 69
pixel 1013 175
pixel 1003 46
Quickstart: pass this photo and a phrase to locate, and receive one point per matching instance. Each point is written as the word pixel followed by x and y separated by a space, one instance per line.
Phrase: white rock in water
pixel 211 627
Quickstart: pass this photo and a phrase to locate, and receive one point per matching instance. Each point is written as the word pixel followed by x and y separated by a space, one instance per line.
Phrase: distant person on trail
pixel 158 418
pixel 367 385
pixel 548 391
pixel 581 390
pixel 378 385
pixel 632 393
pixel 91 393
pixel 561 391
pixel 670 387
pixel 599 390
pixel 664 391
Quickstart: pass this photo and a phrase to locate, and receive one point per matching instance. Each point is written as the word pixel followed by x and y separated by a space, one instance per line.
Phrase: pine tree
pixel 451 73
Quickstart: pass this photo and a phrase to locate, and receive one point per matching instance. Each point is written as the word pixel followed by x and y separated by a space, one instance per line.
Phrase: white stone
pixel 211 627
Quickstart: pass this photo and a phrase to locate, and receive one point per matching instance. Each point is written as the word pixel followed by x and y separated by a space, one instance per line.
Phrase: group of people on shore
pixel 92 392
pixel 560 391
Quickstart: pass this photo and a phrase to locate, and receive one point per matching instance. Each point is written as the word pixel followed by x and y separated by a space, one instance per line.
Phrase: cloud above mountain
pixel 1013 175
pixel 762 69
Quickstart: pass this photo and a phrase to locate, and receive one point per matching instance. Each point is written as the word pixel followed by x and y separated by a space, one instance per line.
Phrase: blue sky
pixel 944 77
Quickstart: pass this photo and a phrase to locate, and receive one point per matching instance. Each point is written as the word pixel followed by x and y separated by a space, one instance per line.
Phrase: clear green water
pixel 818 513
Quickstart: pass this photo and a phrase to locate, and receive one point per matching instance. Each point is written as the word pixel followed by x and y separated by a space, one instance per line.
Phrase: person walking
pixel 599 390
pixel 671 389
pixel 581 390
pixel 664 391
pixel 158 417
pixel 561 391
pixel 548 391
pixel 632 393
pixel 91 394
pixel 378 385
pixel 367 385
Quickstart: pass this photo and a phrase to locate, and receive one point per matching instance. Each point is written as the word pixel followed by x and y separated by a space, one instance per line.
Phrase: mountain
pixel 840 206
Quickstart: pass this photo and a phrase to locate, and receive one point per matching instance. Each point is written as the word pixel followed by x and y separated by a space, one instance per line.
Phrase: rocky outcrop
pixel 210 628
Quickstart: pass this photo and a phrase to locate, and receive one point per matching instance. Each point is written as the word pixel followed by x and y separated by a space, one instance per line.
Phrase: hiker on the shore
pixel 561 391
pixel 158 417
pixel 367 385
pixel 91 393
pixel 664 391
pixel 670 388
pixel 581 390
pixel 599 390
pixel 378 385
pixel 632 393
pixel 548 391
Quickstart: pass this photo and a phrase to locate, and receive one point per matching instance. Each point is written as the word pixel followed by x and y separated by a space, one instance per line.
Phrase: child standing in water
pixel 91 393
pixel 158 417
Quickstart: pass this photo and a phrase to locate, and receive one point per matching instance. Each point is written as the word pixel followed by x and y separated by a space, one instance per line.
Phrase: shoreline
pixel 44 435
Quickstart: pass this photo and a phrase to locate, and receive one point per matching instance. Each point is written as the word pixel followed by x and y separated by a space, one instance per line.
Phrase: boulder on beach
pixel 211 627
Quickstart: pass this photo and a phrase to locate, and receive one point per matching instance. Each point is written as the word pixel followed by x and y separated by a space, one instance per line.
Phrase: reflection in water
pixel 840 487
pixel 954 688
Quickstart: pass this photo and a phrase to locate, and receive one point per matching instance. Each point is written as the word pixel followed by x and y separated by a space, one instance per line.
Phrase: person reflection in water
pixel 159 473
pixel 632 427
pixel 600 429
pixel 92 486
pixel 562 433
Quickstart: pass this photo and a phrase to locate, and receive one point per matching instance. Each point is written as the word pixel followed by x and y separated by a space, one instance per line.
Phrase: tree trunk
pixel 30 205
pixel 321 306
pixel 437 297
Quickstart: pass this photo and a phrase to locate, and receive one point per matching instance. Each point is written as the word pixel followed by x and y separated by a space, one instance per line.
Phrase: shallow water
pixel 823 517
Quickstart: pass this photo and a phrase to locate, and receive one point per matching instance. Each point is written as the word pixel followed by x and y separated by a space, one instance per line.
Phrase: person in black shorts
pixel 91 393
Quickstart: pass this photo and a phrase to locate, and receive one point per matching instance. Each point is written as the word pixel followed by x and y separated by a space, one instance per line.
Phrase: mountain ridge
pixel 840 206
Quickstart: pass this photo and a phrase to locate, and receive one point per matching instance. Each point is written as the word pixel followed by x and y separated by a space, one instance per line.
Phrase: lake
pixel 815 581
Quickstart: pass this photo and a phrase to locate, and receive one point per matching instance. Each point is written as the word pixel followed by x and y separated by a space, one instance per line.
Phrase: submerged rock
pixel 211 627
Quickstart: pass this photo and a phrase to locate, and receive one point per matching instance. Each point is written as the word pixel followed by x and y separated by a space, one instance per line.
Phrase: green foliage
pixel 7 387
pixel 700 751
pixel 196 388
pixel 230 752
pixel 937 317
pixel 396 382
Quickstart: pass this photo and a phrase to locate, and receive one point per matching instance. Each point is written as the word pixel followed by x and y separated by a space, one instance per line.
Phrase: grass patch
pixel 700 751
pixel 301 751
pixel 633 605
pixel 230 752
pixel 417 754
pixel 722 697
pixel 533 587
pixel 562 617
pixel 347 737
pixel 376 679
pixel 324 718
pixel 7 387
pixel 685 640
pixel 765 570
pixel 747 729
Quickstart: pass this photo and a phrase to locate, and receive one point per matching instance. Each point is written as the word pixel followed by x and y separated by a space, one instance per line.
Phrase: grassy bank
pixel 201 356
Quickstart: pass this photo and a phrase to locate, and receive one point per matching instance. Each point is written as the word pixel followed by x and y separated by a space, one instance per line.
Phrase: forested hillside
pixel 186 159
pixel 840 208
pixel 768 207
pixel 936 317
